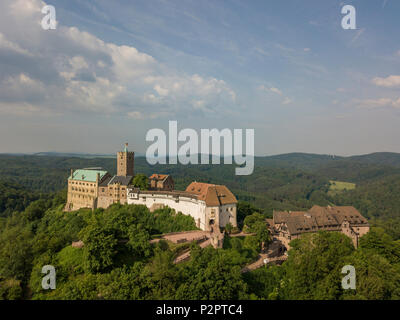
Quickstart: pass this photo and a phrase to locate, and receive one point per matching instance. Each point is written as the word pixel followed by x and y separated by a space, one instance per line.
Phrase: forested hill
pixel 289 182
pixel 118 261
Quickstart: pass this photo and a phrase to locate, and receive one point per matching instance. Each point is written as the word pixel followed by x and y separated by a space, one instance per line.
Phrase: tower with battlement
pixel 125 162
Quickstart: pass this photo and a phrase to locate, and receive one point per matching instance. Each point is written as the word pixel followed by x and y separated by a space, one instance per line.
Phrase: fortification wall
pixel 186 205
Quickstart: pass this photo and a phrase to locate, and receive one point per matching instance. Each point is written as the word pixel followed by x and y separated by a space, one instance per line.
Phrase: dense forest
pixel 285 182
pixel 118 261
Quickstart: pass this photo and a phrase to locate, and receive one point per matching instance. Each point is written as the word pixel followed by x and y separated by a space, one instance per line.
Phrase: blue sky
pixel 112 70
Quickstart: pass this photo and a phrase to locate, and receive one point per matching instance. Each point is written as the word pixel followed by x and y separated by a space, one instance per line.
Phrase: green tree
pixel 376 240
pixel 139 241
pixel 141 181
pixel 313 269
pixel 16 254
pixel 251 221
pixel 228 228
pixel 212 275
pixel 261 230
pixel 99 248
pixel 376 277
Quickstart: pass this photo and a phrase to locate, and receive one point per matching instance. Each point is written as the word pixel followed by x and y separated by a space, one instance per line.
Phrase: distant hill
pixel 293 181
pixel 303 161
pixel 379 158
pixel 77 155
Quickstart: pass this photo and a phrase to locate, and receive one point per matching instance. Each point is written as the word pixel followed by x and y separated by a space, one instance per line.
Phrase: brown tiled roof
pixel 281 216
pixel 319 218
pixel 159 177
pixel 310 223
pixel 270 222
pixel 212 194
pixel 341 213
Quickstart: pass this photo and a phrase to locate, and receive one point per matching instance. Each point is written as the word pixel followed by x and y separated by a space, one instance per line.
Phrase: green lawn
pixel 339 186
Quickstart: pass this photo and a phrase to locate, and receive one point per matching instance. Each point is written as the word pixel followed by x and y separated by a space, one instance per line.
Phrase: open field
pixel 339 186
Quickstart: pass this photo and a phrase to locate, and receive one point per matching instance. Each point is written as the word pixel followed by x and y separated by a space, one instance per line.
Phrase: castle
pixel 209 204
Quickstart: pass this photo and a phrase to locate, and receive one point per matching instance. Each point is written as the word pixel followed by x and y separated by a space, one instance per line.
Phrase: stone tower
pixel 125 162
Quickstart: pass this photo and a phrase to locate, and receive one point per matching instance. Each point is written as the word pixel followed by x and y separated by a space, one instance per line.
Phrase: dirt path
pixel 186 255
pixel 186 236
pixel 242 234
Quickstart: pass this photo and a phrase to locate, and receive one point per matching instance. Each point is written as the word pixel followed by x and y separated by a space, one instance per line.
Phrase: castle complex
pixel 209 204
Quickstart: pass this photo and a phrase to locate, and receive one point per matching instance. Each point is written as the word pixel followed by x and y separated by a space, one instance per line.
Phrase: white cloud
pixel 271 89
pixel 160 90
pixel 6 44
pixel 67 69
pixel 287 101
pixel 388 82
pixel 379 103
pixel 276 90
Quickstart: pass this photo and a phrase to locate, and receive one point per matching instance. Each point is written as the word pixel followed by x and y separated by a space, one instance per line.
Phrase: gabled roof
pixel 212 194
pixel 89 175
pixel 105 181
pixel 319 218
pixel 281 216
pixel 122 180
pixel 341 213
pixel 158 177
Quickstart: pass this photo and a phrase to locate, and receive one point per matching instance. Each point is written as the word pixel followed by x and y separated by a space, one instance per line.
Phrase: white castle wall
pixel 220 215
pixel 186 205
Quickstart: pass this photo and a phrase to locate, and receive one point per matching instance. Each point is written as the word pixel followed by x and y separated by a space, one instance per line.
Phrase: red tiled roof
pixel 212 194
pixel 159 177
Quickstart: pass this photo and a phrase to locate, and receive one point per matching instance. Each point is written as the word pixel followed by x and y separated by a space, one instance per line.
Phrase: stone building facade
pixel 161 182
pixel 96 188
pixel 114 189
pixel 287 226
pixel 83 186
pixel 209 204
pixel 125 162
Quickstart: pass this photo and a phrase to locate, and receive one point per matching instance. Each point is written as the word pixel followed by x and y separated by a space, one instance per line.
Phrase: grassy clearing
pixel 340 186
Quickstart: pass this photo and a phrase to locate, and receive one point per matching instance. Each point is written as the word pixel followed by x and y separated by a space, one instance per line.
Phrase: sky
pixel 113 70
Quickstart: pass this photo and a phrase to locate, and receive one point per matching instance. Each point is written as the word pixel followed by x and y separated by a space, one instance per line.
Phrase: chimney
pixel 72 173
pixel 98 177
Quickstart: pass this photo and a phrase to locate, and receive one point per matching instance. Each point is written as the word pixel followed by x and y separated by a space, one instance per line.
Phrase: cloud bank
pixel 53 72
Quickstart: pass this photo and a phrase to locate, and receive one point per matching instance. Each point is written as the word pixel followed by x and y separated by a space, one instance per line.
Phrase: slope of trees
pixel 117 260
pixel 313 269
pixel 14 197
